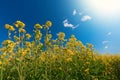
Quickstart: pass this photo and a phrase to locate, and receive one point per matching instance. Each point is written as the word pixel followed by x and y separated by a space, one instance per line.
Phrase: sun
pixel 104 7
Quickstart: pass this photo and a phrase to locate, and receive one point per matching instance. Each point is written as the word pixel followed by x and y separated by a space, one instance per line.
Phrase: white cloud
pixel 75 26
pixel 74 12
pixel 105 42
pixel 106 47
pixel 67 24
pixel 109 33
pixel 86 18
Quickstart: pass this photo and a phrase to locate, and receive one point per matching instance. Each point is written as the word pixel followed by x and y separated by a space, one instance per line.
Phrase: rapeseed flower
pixel 38 26
pixel 48 37
pixel 61 36
pixel 22 30
pixel 60 68
pixel 23 53
pixel 42 57
pixel 87 70
pixel 87 63
pixel 38 36
pixel 19 24
pixel 10 49
pixel 16 38
pixel 0 62
pixel 28 36
pixel 69 52
pixel 58 57
pixel 72 39
pixel 4 54
pixel 89 45
pixel 69 59
pixel 9 27
pixel 48 24
pixel 6 42
pixel 28 44
pixel 56 48
pixel 37 32
pixel 28 50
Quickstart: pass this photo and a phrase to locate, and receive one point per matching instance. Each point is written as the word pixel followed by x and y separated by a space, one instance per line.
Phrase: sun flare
pixel 105 7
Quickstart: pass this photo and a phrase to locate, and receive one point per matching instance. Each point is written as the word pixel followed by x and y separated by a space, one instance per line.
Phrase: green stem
pixel 1 74
pixel 9 34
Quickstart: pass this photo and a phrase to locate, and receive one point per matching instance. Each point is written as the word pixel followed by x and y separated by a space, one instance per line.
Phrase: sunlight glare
pixel 105 7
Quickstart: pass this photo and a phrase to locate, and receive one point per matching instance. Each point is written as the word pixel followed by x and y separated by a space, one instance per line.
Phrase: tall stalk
pixel 1 72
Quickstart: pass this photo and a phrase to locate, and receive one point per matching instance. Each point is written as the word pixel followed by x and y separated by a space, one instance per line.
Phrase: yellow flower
pixel 8 77
pixel 54 41
pixel 87 70
pixel 48 24
pixel 42 57
pixel 11 28
pixel 69 59
pixel 38 26
pixel 0 62
pixel 4 54
pixel 19 24
pixel 28 36
pixel 87 62
pixel 56 48
pixel 89 45
pixel 7 26
pixel 38 36
pixel 60 68
pixel 47 39
pixel 11 45
pixel 40 45
pixel 53 56
pixel 7 42
pixel 12 54
pixel 72 39
pixel 69 52
pixel 22 30
pixel 96 79
pixel 61 36
pixel 28 50
pixel 10 50
pixel 18 59
pixel 49 36
pixel 23 53
pixel 16 38
pixel 88 49
pixel 0 49
pixel 28 44
pixel 37 32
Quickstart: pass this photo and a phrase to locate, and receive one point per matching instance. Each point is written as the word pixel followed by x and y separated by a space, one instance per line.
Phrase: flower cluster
pixel 39 57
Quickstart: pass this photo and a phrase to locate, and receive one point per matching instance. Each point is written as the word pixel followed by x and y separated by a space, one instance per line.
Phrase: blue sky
pixel 88 21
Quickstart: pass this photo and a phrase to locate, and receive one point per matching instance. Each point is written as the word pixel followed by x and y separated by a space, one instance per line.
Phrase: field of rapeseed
pixel 26 57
